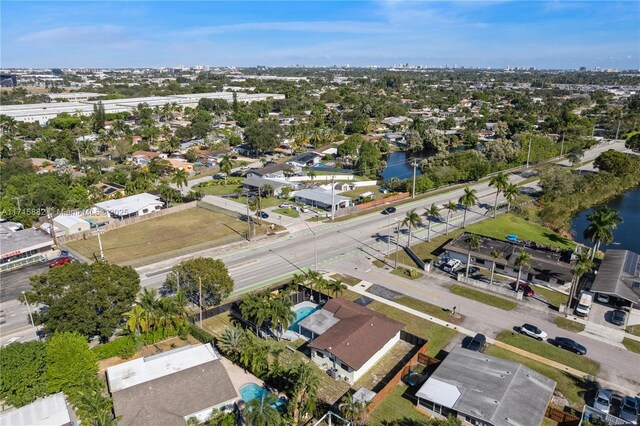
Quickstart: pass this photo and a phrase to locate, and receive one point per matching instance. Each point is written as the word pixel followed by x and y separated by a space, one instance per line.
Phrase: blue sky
pixel 543 34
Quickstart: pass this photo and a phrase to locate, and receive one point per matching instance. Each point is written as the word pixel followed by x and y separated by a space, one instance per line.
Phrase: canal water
pixel 399 166
pixel 627 235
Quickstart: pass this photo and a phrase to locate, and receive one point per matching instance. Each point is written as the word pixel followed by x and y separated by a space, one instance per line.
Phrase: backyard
pixel 174 232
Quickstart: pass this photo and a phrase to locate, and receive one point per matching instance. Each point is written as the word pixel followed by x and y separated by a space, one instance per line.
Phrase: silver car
pixel 602 402
pixel 629 410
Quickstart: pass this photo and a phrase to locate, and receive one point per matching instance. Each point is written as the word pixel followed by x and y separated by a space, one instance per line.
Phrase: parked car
pixel 603 298
pixel 60 261
pixel 602 401
pixel 262 214
pixel 452 265
pixel 618 317
pixel 389 210
pixel 524 287
pixel 629 410
pixel 219 176
pixel 474 271
pixel 478 343
pixel 570 345
pixel 533 331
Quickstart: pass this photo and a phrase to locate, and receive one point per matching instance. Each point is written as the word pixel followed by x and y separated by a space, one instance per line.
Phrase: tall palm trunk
pixel 493 269
pixel 519 275
pixel 409 240
pixel 595 248
pixel 464 220
pixel 446 231
pixel 495 204
pixel 468 264
pixel 429 231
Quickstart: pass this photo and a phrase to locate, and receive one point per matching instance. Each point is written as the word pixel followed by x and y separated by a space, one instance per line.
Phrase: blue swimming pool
pixel 252 391
pixel 301 314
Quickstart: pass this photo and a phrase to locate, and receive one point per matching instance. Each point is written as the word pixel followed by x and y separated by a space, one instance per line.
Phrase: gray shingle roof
pixel 619 275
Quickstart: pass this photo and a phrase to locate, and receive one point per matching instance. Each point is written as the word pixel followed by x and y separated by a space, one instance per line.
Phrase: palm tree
pixel 226 166
pixel 468 199
pixel 335 287
pixel 135 320
pixel 523 260
pixel 602 222
pixel 180 178
pixel 95 409
pixel 451 207
pixel 311 173
pixel 261 411
pixel 495 255
pixel 474 242
pixel 231 342
pixel 305 384
pixel 282 315
pixel 350 407
pixel 431 213
pixel 510 192
pixel 582 266
pixel 255 308
pixel 500 182
pixel 147 299
pixel 575 156
pixel 411 219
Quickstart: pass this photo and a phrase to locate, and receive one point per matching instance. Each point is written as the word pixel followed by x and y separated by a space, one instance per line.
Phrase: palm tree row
pixel 264 309
pixel 500 182
pixel 151 313
pixel 316 282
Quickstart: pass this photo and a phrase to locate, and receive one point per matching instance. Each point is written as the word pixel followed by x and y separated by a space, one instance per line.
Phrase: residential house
pixel 322 198
pixel 619 276
pixel 53 410
pixel 548 265
pixel 308 159
pixel 110 190
pixel 349 339
pixel 70 224
pixel 169 388
pixel 255 184
pixel 132 206
pixel 181 164
pixel 42 165
pixel 270 171
pixel 486 391
pixel 142 158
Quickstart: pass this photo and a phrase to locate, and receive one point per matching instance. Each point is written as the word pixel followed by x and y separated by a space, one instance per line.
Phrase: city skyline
pixel 497 34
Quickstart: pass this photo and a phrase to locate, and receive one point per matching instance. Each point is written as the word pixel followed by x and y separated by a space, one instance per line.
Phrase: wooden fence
pixel 393 382
pixel 381 201
pixel 561 417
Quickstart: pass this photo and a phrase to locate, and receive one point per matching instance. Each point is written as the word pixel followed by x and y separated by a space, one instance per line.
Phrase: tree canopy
pixel 186 276
pixel 263 136
pixel 23 366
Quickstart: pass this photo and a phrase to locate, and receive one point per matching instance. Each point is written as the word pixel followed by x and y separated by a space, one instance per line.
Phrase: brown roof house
pixel 349 339
pixel 169 388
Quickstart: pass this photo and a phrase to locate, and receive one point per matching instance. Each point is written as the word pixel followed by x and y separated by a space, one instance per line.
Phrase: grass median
pixel 482 297
pixel 546 350
pixel 555 298
pixel 568 324
pixel 632 345
pixel 429 309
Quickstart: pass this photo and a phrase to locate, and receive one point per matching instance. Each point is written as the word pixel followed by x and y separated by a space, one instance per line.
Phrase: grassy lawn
pixel 573 388
pixel 374 376
pixel 406 273
pixel 548 351
pixel 632 345
pixel 554 297
pixel 287 212
pixel 188 228
pixel 396 407
pixel 429 309
pixel 482 297
pixel 219 189
pixel 216 325
pixel 264 202
pixel 568 324
pixel 347 279
pixel 634 329
pixel 355 193
pixel 437 335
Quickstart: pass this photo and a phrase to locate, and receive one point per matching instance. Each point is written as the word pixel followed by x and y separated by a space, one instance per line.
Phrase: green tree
pixel 211 273
pixel 523 260
pixel 495 255
pixel 411 219
pixel 23 367
pixel 575 155
pixel 353 409
pixel 335 287
pixel 510 192
pixel 432 213
pixel 71 365
pixel 302 392
pixel 180 178
pixel 137 320
pixel 231 342
pixel 450 207
pixel 500 182
pixel 468 199
pixel 474 242
pixel 95 408
pixel 87 299
pixel 262 136
pixel 226 165
pixel 614 162
pixel 582 266
pixel 602 222
pixel 261 411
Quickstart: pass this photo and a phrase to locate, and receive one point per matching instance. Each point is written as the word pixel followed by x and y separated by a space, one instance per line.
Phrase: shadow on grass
pixel 556 238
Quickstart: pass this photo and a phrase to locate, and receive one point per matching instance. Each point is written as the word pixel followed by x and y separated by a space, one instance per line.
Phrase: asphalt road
pixel 15 282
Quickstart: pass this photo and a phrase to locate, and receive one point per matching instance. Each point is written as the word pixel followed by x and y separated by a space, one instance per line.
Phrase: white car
pixel 603 298
pixel 452 265
pixel 533 331
pixel 602 401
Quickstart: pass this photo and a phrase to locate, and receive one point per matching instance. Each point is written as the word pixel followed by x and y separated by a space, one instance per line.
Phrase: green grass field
pixel 482 297
pixel 188 228
pixel 355 193
pixel 554 297
pixel 631 344
pixel 395 407
pixel 429 309
pixel 219 189
pixel 573 388
pixel 568 324
pixel 548 351
pixel 287 212
pixel 406 273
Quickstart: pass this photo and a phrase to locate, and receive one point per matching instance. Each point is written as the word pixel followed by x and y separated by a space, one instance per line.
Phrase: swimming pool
pixel 251 391
pixel 302 313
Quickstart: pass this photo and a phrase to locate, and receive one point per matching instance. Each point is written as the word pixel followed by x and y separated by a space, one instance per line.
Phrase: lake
pixel 627 235
pixel 399 166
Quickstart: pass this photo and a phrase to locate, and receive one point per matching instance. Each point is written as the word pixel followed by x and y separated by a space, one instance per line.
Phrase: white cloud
pixel 74 34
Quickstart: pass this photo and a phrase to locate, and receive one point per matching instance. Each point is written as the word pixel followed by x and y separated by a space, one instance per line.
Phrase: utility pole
pixel 397 244
pixel 618 130
pixel 413 190
pixel 35 330
pixel 562 146
pixel 528 152
pixel 333 188
pixel 200 291
pixel 389 236
pixel 100 245
pixel 249 222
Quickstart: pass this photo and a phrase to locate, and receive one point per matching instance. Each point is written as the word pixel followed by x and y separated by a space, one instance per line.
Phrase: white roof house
pixel 322 198
pixel 70 224
pixel 134 205
pixel 49 411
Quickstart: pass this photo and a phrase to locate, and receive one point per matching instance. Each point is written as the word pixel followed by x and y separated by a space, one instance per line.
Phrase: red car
pixel 60 261
pixel 528 291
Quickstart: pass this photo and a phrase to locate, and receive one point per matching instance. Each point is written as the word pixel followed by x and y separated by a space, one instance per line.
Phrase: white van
pixel 452 265
pixel 584 303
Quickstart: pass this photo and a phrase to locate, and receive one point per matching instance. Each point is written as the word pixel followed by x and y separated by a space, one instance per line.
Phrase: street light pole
pixel 35 331
pixel 397 243
pixel 389 236
pixel 528 152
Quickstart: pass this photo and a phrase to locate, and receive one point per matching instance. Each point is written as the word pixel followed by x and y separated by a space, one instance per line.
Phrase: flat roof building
pixel 49 411
pixel 134 205
pixel 20 248
pixel 322 198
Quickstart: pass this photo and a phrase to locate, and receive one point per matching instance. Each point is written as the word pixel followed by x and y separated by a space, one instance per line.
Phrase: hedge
pixel 200 334
pixel 123 347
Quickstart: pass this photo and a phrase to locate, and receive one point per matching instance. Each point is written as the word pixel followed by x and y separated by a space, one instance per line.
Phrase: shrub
pixel 123 347
pixel 200 334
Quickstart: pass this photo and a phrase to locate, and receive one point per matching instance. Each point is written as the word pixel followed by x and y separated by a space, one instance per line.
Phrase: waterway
pixel 399 166
pixel 627 234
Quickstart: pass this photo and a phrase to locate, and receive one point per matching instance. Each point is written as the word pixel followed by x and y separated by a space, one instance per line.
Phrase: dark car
pixel 60 261
pixel 618 317
pixel 263 215
pixel 389 210
pixel 570 345
pixel 528 291
pixel 477 343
